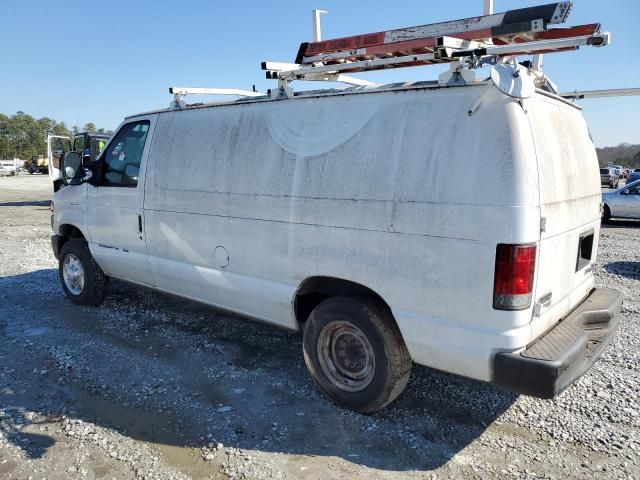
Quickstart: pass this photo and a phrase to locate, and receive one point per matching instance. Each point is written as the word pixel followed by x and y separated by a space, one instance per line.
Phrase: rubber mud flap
pixel 56 243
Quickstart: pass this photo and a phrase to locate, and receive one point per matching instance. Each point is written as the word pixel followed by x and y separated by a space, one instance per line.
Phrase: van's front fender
pixel 70 208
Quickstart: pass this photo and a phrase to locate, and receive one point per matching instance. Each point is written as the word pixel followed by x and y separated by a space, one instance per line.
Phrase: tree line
pixel 624 154
pixel 22 136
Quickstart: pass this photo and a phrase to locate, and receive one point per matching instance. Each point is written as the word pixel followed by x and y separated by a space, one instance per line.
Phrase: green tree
pixel 22 136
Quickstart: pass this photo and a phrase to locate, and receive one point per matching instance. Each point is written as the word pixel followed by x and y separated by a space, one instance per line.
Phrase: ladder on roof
pixel 467 41
pixel 513 26
pixel 464 44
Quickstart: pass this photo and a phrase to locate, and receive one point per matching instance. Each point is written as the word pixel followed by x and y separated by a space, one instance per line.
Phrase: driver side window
pixel 635 190
pixel 124 154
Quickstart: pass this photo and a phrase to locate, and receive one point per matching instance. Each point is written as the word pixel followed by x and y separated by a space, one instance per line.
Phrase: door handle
pixel 140 223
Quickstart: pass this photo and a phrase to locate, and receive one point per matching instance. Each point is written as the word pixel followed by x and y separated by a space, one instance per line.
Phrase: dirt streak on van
pixel 335 211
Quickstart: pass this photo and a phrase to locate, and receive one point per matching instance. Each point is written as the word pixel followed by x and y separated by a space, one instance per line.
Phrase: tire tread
pixel 398 358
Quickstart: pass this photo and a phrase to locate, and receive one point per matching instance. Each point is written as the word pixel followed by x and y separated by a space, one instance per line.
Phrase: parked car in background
pixel 6 173
pixel 622 203
pixel 633 175
pixel 619 170
pixel 609 177
pixel 10 165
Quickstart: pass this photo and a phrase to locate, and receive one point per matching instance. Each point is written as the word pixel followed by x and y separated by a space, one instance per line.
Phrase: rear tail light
pixel 513 281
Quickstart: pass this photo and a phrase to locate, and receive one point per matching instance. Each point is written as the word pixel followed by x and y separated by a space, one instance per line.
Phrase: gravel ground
pixel 150 386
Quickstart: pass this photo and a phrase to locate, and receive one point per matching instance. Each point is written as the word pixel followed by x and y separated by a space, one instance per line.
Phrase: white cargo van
pixel 334 211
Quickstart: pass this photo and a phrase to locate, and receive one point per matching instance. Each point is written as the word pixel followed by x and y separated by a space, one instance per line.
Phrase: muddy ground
pixel 151 386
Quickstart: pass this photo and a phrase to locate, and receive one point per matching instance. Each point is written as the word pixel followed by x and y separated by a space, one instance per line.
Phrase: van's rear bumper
pixel 556 359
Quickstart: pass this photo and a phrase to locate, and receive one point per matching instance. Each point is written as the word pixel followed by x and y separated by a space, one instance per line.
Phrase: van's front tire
pixel 83 281
pixel 355 353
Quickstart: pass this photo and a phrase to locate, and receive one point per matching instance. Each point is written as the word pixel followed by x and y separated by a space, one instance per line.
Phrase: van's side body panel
pixel 356 187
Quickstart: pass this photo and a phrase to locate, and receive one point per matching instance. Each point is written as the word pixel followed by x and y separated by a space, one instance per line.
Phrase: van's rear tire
pixel 354 351
pixel 82 279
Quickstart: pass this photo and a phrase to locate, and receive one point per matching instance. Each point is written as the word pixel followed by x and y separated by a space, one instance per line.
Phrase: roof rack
pixel 470 42
pixel 465 44
pixel 612 92
pixel 180 92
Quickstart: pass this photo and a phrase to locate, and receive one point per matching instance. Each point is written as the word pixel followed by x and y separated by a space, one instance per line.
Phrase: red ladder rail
pixel 520 25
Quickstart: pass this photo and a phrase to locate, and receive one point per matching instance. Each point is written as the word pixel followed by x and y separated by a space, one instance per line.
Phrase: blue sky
pixel 81 61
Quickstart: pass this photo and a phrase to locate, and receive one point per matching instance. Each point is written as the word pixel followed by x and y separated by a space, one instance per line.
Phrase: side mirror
pixel 72 171
pixel 625 191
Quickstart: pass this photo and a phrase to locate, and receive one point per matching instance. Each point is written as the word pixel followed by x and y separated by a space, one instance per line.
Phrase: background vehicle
pixel 37 164
pixel 622 203
pixel 5 173
pixel 609 177
pixel 620 171
pixel 89 145
pixel 633 175
pixel 13 166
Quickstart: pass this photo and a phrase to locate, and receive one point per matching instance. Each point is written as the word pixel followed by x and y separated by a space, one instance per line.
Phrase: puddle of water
pixel 176 442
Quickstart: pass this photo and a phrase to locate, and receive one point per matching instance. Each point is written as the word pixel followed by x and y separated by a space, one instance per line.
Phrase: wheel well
pixel 315 290
pixel 68 232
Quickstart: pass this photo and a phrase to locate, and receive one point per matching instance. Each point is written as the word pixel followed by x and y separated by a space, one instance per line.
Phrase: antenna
pixel 315 21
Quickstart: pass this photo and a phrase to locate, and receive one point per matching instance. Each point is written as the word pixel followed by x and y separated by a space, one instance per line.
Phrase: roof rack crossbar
pixel 180 92
pixel 213 91
pixel 612 92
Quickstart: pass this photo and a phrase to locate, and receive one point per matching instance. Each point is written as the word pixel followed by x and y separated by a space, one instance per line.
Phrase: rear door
pixel 570 196
pixel 115 213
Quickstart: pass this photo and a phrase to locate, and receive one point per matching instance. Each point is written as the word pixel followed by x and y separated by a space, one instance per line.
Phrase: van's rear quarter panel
pixel 402 192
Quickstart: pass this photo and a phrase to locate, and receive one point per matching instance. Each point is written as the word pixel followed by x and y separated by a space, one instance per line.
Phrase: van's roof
pixel 424 84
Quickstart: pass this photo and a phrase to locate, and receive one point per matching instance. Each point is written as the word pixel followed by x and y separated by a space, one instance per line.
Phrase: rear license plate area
pixel 585 250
